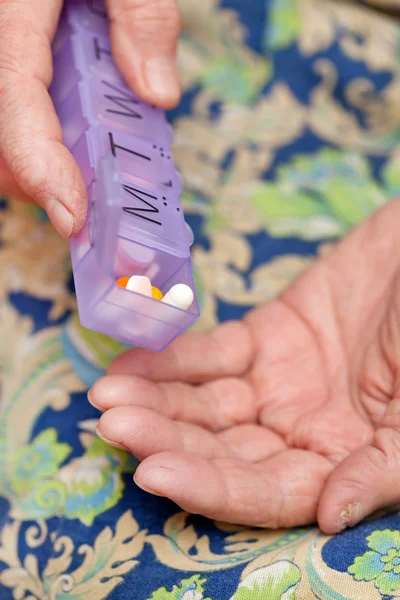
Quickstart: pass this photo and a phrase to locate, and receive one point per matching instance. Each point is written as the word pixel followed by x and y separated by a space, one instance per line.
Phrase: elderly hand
pixel 288 417
pixel 34 163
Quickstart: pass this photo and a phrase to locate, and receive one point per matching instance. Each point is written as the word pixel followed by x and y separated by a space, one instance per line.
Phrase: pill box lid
pixel 105 213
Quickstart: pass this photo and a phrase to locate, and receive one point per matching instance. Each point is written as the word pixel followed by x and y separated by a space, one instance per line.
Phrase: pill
pixel 140 285
pixel 122 282
pixel 180 296
pixel 156 293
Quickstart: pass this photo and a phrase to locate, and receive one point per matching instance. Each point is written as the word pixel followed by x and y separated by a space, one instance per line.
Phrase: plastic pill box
pixel 135 223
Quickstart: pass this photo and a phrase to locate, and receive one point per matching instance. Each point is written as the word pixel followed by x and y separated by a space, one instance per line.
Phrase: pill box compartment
pixel 86 90
pixel 104 251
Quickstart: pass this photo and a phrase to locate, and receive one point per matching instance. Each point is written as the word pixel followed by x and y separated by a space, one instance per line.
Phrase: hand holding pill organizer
pixel 131 262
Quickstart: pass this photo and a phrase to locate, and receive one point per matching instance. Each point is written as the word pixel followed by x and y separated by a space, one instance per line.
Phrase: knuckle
pixel 352 483
pixel 149 17
pixel 250 500
pixel 387 443
pixel 14 57
pixel 68 179
pixel 36 173
pixel 28 176
pixel 236 400
pixel 227 340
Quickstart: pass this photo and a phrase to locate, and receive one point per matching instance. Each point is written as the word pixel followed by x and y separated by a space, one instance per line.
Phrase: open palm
pixel 287 417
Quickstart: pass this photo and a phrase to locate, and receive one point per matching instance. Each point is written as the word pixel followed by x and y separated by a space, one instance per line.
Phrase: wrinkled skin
pixel 288 417
pixel 34 163
pixel 285 418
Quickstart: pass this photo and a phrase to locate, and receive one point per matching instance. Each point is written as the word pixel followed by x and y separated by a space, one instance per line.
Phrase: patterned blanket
pixel 287 136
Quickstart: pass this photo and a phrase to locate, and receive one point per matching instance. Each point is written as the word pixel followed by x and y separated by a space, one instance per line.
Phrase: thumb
pixel 365 481
pixel 144 35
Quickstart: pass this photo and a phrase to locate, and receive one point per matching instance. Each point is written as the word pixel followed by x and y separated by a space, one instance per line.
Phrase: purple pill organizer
pixel 135 223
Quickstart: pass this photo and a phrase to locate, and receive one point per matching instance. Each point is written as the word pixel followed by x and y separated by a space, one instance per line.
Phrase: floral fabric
pixel 287 136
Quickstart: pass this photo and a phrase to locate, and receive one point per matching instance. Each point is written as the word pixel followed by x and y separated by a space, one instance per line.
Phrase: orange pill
pixel 157 295
pixel 122 282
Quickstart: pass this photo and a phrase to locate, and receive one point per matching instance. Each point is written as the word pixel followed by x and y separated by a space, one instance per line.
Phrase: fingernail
pixel 110 442
pixel 162 77
pixel 145 488
pixel 60 216
pixel 90 400
pixel 351 515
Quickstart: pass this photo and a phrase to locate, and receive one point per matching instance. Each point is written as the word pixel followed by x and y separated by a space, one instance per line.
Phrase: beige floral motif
pixel 382 110
pixel 363 34
pixel 200 145
pixel 34 376
pixel 34 259
pixel 197 152
pixel 102 569
pixel 333 582
pixel 332 122
pixel 240 545
pixel 215 270
pixel 228 205
pixel 34 476
pixel 230 254
pixel 270 280
pixel 232 199
pixel 210 35
pixel 87 432
pixel 276 120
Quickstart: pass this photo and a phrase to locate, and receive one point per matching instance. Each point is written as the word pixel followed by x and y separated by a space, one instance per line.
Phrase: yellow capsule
pixel 156 293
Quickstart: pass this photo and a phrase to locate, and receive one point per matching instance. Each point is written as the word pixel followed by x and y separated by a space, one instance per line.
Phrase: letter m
pixel 143 204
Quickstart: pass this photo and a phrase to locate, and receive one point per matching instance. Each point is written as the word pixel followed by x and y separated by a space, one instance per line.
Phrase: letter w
pixel 122 101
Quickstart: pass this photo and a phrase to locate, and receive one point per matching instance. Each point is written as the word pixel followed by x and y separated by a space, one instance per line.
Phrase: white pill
pixel 180 296
pixel 140 285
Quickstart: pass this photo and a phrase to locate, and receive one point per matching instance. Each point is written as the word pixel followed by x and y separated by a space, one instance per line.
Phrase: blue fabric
pixel 73 524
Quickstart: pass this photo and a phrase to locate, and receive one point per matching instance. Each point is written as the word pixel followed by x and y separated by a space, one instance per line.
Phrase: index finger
pixel 30 133
pixel 225 352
